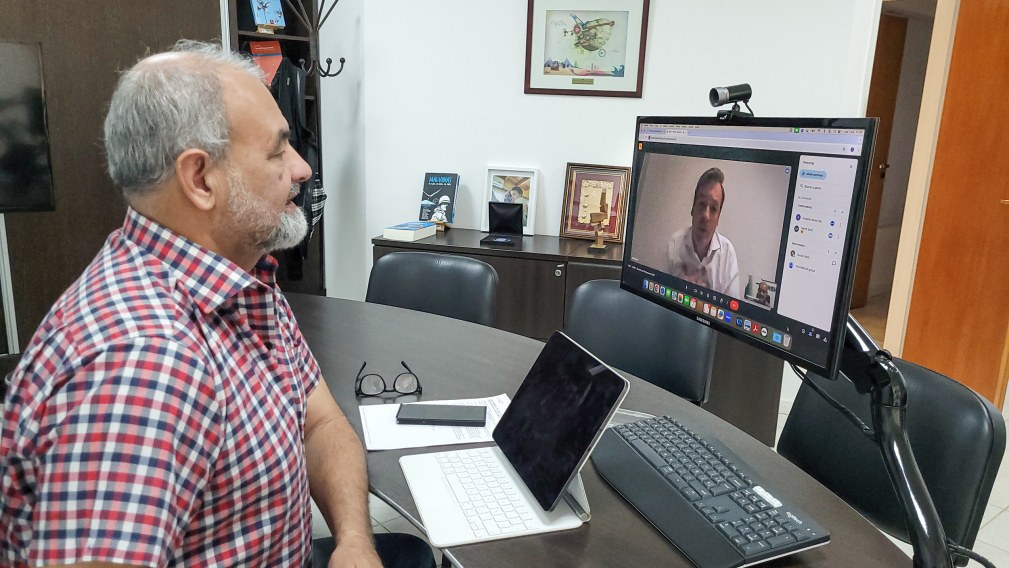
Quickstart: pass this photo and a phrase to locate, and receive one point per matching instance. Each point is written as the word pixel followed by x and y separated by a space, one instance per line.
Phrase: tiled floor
pixel 992 539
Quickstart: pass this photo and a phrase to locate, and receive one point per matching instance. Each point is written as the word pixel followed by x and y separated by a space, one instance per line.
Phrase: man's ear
pixel 198 179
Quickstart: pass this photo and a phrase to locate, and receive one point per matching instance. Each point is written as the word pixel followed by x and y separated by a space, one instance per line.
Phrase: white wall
pixel 347 245
pixel 438 87
pixel 905 125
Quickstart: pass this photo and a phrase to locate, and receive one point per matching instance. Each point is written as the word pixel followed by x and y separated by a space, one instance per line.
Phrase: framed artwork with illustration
pixel 586 189
pixel 512 186
pixel 586 47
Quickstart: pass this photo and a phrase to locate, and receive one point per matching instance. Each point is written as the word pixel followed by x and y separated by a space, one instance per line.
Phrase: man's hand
pixel 699 277
pixel 355 552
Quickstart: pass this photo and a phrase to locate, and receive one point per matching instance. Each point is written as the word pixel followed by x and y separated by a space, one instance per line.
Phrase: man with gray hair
pixel 168 412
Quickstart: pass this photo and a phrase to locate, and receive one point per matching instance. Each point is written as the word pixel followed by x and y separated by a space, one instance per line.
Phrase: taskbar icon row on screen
pixel 752 328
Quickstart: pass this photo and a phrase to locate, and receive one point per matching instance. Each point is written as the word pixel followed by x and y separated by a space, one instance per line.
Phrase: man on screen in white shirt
pixel 698 253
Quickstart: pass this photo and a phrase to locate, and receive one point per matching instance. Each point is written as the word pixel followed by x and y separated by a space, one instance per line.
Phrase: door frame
pixel 225 26
pixel 929 119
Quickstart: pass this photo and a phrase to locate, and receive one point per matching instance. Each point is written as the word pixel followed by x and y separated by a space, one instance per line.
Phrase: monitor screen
pixel 556 416
pixel 26 182
pixel 751 228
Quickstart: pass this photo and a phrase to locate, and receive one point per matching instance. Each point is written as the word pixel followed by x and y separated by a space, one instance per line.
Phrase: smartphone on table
pixel 442 415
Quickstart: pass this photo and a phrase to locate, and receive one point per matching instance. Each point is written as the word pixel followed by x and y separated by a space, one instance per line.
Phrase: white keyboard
pixel 485 493
pixel 475 495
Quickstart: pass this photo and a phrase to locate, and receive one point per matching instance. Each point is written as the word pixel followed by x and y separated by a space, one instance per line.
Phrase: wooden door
pixel 959 312
pixel 882 102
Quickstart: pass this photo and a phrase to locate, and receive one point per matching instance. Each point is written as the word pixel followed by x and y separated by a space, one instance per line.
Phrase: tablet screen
pixel 555 418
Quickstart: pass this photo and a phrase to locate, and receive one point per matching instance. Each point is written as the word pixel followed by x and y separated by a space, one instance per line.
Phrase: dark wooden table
pixel 456 359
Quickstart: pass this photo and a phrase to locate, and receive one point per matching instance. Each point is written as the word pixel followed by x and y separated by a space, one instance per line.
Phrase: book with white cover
pixel 412 231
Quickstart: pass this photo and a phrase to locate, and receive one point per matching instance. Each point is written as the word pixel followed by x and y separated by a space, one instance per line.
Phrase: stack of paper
pixel 381 432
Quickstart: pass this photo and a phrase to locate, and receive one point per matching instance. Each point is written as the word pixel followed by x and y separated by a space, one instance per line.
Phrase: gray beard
pixel 289 232
pixel 262 229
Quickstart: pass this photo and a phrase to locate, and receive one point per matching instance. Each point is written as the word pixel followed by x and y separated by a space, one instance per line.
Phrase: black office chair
pixel 958 439
pixel 648 341
pixel 453 286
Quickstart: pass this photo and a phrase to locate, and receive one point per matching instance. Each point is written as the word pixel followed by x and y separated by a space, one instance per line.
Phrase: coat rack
pixel 313 37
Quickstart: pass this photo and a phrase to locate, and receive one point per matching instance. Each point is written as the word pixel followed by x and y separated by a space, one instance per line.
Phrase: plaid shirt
pixel 157 416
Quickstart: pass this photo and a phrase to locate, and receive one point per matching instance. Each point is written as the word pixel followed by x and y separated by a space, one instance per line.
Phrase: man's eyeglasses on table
pixel 374 385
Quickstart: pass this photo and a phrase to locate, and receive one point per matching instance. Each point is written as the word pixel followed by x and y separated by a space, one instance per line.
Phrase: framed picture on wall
pixel 586 188
pixel 586 47
pixel 512 186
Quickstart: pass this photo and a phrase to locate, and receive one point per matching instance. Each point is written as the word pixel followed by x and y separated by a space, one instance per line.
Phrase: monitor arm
pixel 872 371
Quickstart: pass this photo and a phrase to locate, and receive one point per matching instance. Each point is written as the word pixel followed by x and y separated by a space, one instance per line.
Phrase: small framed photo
pixel 586 47
pixel 586 189
pixel 512 186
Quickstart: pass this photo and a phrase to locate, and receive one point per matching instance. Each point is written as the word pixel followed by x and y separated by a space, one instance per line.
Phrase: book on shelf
pixel 268 15
pixel 412 231
pixel 266 55
pixel 437 202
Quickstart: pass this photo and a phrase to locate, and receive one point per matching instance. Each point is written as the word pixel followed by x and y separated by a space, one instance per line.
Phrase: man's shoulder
pixel 119 322
pixel 121 295
pixel 725 244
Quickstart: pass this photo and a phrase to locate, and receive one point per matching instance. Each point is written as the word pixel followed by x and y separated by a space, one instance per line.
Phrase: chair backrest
pixel 958 439
pixel 646 340
pixel 8 364
pixel 447 285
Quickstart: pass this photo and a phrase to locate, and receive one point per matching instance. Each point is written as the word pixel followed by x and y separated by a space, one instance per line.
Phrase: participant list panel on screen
pixel 816 233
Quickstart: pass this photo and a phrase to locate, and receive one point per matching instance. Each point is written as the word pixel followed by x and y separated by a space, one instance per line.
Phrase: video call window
pixel 746 229
pixel 714 223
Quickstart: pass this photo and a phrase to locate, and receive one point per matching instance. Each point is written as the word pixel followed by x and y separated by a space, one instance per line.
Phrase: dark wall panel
pixel 84 46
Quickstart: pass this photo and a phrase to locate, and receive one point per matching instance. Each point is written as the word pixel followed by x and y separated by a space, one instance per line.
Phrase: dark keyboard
pixel 700 496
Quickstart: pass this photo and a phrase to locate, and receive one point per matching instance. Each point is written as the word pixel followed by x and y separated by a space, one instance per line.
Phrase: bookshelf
pixel 267 37
pixel 295 44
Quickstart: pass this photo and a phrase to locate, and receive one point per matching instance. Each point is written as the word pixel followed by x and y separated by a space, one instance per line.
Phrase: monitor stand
pixel 745 388
pixel 872 371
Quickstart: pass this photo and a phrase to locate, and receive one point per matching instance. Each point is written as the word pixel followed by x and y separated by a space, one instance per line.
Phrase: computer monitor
pixel 751 228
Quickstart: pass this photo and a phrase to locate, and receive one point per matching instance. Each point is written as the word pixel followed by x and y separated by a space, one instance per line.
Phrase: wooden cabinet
pixel 530 295
pixel 534 283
